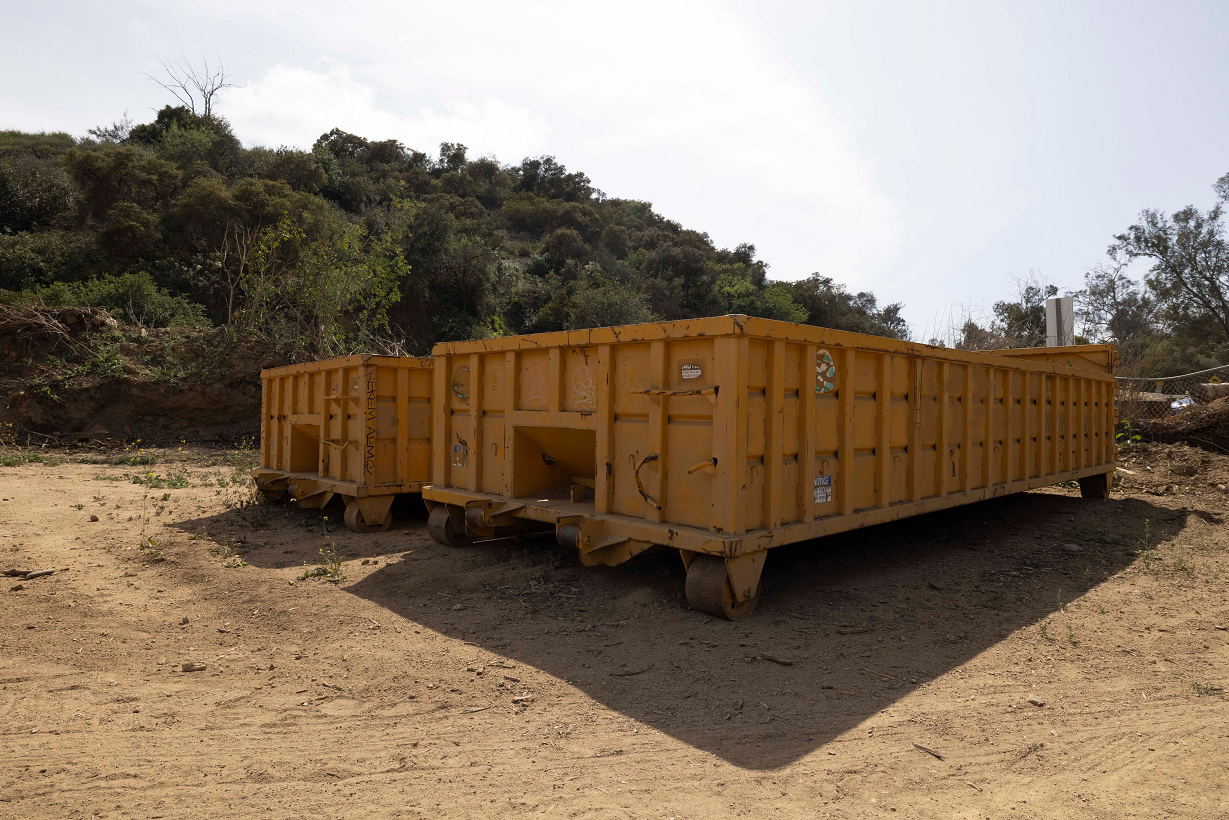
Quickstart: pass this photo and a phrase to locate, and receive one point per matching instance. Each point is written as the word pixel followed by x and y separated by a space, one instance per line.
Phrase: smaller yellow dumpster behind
pixel 358 427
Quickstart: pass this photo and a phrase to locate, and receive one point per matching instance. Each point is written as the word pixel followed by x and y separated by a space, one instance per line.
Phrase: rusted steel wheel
pixel 356 523
pixel 1095 486
pixel 441 528
pixel 709 591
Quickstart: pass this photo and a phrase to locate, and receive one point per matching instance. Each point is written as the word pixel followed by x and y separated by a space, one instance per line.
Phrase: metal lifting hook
pixel 640 486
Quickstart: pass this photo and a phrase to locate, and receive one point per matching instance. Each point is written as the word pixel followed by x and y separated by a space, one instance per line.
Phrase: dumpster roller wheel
pixel 355 522
pixel 709 590
pixel 444 530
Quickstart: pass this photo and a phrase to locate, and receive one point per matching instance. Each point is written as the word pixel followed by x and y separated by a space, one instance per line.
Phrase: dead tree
pixel 193 86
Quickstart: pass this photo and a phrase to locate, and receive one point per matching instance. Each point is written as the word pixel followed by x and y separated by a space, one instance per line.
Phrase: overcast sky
pixel 925 151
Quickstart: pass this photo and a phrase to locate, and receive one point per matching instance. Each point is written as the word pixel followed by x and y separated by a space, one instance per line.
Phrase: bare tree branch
pixel 191 85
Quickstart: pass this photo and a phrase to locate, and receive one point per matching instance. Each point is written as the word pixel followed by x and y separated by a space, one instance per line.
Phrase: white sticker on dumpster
pixel 823 489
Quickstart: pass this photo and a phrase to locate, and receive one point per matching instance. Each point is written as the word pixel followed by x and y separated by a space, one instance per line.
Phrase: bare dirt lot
pixel 887 673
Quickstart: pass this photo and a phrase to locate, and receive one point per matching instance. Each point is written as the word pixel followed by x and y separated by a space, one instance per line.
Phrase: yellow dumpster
pixel 358 427
pixel 727 436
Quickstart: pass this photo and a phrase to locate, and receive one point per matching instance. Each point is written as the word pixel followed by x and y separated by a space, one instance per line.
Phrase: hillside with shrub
pixel 359 244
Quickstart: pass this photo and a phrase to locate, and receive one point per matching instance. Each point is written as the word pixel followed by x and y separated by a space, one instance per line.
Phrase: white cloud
pixel 293 105
pixel 679 103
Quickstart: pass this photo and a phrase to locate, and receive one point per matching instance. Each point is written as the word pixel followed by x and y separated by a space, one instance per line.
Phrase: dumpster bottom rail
pixel 607 538
pixel 368 506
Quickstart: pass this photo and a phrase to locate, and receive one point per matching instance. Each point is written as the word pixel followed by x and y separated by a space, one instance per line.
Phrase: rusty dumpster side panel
pixel 358 426
pixel 731 434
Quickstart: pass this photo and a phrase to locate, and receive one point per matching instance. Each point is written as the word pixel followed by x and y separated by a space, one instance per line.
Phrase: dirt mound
pixel 1204 426
pixel 71 375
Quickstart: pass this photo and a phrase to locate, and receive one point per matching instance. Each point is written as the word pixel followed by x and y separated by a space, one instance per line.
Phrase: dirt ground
pixel 887 672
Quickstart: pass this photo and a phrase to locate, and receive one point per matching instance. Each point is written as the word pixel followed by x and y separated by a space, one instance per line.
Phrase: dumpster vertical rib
pixel 343 416
pixel 1009 427
pixel 511 392
pixel 806 433
pixel 845 432
pixel 966 431
pixel 742 347
pixel 1055 422
pixel 1071 421
pixel 1101 422
pixel 659 417
pixel 554 392
pixel 774 433
pixel 1043 423
pixel 476 392
pixel 441 406
pixel 365 407
pixel 883 430
pixel 987 445
pixel 604 468
pixel 266 446
pixel 322 408
pixel 730 433
pixel 941 434
pixel 403 425
pixel 275 410
pixel 1081 459
pixel 912 447
pixel 1026 425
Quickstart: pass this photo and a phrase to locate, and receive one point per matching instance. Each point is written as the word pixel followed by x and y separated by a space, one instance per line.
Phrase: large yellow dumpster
pixel 726 436
pixel 358 427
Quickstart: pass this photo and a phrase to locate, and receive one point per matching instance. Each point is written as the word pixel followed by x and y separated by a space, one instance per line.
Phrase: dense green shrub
pixel 132 297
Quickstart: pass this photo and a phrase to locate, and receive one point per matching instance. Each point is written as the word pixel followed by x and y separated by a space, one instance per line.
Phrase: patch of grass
pixel 172 480
pixel 328 566
pixel 20 457
pixel 1205 689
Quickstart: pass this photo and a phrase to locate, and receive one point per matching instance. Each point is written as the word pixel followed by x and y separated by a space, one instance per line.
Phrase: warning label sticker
pixel 823 489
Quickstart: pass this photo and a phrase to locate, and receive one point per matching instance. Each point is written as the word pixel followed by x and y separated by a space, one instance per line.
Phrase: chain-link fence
pixel 1144 399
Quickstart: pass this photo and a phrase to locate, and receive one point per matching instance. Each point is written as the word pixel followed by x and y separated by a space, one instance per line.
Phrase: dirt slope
pixel 505 680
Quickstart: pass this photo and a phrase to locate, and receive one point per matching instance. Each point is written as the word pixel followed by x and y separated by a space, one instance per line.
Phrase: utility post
pixel 1060 321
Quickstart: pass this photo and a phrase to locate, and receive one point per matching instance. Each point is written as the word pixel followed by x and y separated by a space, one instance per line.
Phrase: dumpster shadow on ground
pixel 846 626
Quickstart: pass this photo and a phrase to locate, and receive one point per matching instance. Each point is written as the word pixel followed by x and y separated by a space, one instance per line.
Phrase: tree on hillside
pixel 1113 307
pixel 1190 262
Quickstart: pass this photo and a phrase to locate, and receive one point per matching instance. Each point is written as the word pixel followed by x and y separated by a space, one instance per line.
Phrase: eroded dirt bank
pixel 505 680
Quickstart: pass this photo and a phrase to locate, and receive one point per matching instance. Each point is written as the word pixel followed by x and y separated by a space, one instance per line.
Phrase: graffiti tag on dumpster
pixel 535 387
pixel 584 391
pixel 369 442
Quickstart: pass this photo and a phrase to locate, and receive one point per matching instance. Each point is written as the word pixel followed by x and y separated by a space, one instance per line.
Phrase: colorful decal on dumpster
pixel 825 372
pixel 460 383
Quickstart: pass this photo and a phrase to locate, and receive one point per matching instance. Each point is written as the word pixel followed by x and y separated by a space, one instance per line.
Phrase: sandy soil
pixel 887 672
